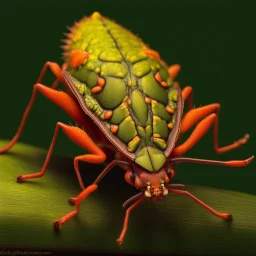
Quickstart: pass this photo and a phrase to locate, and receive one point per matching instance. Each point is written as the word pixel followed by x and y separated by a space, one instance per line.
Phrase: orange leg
pixel 80 138
pixel 126 220
pixel 188 96
pixel 174 71
pixel 231 163
pixel 207 117
pixel 86 192
pixel 56 70
pixel 60 98
pixel 80 197
pixel 226 216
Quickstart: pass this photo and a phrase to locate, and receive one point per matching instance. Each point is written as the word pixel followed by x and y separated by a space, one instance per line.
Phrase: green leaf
pixel 175 225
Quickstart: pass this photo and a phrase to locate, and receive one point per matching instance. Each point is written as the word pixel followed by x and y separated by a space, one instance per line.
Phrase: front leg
pixel 120 239
pixel 226 216
pixel 86 192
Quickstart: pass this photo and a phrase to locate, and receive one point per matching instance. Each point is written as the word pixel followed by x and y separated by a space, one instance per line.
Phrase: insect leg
pixel 187 91
pixel 126 220
pixel 174 70
pixel 73 200
pixel 79 137
pixel 86 192
pixel 62 99
pixel 188 96
pixel 198 114
pixel 226 216
pixel 231 163
pixel 195 136
pixel 56 70
pixel 81 196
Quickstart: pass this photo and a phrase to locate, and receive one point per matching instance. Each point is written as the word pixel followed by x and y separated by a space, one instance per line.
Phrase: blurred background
pixel 214 42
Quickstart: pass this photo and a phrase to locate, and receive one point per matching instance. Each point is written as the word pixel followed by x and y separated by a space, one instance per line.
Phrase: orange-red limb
pixel 62 99
pixel 73 200
pixel 207 116
pixel 80 197
pixel 195 136
pixel 174 70
pixel 226 216
pixel 79 137
pixel 56 70
pixel 77 200
pixel 231 163
pixel 187 95
pixel 126 220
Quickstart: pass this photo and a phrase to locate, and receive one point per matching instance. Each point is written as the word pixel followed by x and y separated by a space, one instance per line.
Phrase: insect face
pixel 152 184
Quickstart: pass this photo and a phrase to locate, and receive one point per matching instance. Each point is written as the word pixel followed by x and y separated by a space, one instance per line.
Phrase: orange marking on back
pixel 101 81
pixel 160 81
pixel 77 57
pixel 169 110
pixel 114 128
pixel 151 53
pixel 170 125
pixel 164 84
pixel 108 114
pixel 147 100
pixel 96 89
pixel 158 77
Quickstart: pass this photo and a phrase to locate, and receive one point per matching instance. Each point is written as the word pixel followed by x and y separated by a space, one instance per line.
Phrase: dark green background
pixel 214 43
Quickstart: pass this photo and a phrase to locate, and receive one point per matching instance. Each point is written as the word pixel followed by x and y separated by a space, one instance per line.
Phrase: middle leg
pixel 207 116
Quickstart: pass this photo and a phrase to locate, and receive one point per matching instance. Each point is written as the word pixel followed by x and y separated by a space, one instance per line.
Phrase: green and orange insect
pixel 124 99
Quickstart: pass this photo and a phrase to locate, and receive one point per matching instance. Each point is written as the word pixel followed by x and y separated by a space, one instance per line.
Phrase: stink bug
pixel 124 99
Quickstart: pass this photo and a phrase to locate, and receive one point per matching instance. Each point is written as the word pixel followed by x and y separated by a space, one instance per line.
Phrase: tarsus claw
pixel 72 200
pixel 57 224
pixel 20 179
pixel 120 243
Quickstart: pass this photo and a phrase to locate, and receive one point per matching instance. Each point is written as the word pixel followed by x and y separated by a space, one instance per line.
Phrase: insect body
pixel 130 110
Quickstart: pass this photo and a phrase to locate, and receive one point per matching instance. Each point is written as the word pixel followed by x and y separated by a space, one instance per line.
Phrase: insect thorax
pixel 126 85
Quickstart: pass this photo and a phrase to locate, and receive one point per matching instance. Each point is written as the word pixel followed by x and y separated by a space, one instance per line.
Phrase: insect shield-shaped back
pixel 125 88
pixel 144 148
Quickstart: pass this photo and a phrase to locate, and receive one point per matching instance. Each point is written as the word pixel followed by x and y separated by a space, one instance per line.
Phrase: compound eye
pixel 168 172
pixel 132 176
